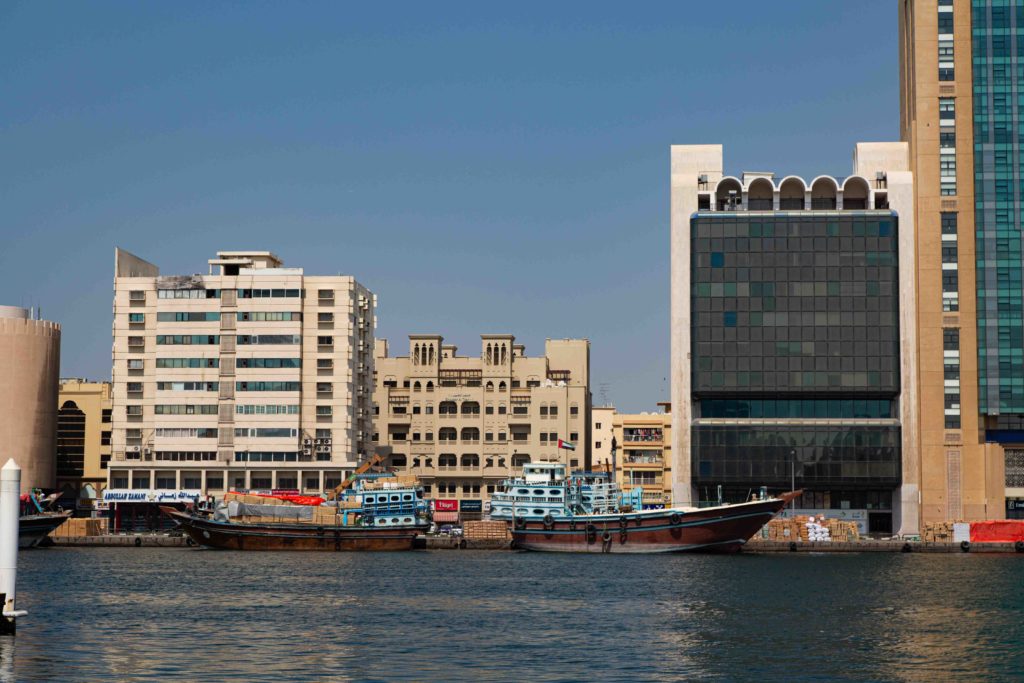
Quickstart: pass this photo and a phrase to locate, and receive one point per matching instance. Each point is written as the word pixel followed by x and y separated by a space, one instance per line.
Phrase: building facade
pixel 254 376
pixel 465 423
pixel 84 416
pixel 602 430
pixel 960 72
pixel 29 372
pixel 793 337
pixel 643 457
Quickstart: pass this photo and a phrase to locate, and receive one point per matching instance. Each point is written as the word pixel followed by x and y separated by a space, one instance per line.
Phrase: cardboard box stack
pixel 81 526
pixel 485 530
pixel 818 529
pixel 938 532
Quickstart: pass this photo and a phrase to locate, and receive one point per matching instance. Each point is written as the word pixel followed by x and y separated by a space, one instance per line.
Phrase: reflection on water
pixel 164 614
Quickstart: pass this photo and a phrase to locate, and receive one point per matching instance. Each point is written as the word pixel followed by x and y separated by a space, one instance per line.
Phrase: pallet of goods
pixel 485 531
pixel 80 526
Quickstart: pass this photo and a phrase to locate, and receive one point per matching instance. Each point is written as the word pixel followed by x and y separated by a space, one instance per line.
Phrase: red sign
pixel 285 492
pixel 446 505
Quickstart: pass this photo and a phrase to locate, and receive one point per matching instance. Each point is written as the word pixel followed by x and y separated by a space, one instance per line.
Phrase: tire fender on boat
pixel 138 541
pixel 623 521
pixel 607 536
pixel 520 522
pixel 675 518
pixel 549 522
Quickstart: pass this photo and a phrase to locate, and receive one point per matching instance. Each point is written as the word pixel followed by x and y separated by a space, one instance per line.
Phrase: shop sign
pixel 150 495
pixel 1015 503
pixel 472 506
pixel 446 505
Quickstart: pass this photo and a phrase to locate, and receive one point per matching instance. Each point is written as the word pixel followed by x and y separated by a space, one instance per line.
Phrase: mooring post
pixel 10 511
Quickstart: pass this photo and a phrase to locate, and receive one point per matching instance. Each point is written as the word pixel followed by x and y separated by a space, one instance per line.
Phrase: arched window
pixel 855 193
pixel 471 434
pixel 416 354
pixel 447 408
pixel 489 386
pixel 470 460
pixel 760 195
pixel 520 459
pixel 728 195
pixel 502 386
pixel 430 386
pixel 791 194
pixel 470 408
pixel 398 460
pixel 416 386
pixel 447 434
pixel 432 357
pixel 447 460
pixel 70 440
pixel 490 358
pixel 823 194
pixel 504 354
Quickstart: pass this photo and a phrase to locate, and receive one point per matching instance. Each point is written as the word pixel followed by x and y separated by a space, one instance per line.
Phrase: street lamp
pixel 792 477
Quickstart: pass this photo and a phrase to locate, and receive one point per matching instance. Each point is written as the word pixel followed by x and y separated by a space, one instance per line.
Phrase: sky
pixel 481 167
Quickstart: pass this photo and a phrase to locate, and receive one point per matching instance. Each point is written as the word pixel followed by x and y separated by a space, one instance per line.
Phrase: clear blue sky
pixel 483 167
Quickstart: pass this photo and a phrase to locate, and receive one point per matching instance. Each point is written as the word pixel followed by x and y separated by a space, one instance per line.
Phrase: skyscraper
pixel 960 71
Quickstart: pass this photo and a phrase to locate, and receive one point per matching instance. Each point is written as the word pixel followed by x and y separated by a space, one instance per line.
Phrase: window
pixel 543 411
pixel 948 220
pixel 949 252
pixel 187 317
pixel 325 340
pixel 597 444
pixel 574 436
pixel 185 339
pixel 187 386
pixel 324 411
pixel 325 317
pixel 501 409
pixel 553 411
pixel 135 364
pixel 574 410
pixel 250 409
pixel 268 363
pixel 951 370
pixel 269 293
pixel 951 339
pixel 187 362
pixel 268 386
pixel 188 294
pixel 597 425
pixel 136 317
pixel 952 422
pixel 268 316
pixel 247 339
pixel 947 109
pixel 489 410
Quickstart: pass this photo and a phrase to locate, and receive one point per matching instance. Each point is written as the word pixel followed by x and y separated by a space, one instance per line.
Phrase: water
pixel 156 614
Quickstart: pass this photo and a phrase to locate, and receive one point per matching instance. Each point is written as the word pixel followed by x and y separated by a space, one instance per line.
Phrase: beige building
pixel 29 371
pixel 643 457
pixel 253 376
pixel 968 414
pixel 601 432
pixel 465 423
pixel 83 440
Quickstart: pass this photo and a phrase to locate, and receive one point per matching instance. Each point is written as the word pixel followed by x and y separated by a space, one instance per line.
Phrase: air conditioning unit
pixel 307 442
pixel 147 451
pixel 327 442
pixel 134 449
pixel 318 442
pixel 307 451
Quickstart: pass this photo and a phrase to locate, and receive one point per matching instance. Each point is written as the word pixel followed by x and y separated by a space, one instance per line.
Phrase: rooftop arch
pixel 824 190
pixel 728 189
pixel 792 192
pixel 856 192
pixel 760 195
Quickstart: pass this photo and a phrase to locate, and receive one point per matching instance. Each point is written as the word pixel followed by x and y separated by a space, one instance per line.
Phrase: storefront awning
pixel 446 517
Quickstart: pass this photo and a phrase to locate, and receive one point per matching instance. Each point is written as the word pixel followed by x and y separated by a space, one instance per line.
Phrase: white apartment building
pixel 254 376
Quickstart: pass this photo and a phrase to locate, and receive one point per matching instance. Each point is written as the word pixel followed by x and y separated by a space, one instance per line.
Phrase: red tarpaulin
pixel 997 531
pixel 298 500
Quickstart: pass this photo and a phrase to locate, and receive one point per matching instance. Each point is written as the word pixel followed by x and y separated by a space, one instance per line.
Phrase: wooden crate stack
pixel 81 526
pixel 485 530
pixel 938 532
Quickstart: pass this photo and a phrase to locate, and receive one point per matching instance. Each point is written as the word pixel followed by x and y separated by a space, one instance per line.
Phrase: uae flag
pixel 567 445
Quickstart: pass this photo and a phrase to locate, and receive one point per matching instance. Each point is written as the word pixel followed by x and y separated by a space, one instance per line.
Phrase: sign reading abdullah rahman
pixel 150 495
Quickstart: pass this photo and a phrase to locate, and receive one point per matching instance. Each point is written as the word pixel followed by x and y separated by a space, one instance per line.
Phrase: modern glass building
pixel 793 334
pixel 795 356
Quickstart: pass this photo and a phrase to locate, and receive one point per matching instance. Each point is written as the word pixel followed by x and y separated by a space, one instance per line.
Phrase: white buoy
pixel 10 511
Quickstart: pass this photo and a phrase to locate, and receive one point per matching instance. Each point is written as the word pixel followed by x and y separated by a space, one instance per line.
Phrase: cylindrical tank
pixel 29 376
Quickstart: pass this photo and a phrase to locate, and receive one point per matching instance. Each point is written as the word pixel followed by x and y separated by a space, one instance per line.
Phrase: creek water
pixel 145 614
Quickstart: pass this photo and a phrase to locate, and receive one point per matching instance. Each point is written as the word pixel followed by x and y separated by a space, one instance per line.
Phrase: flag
pixel 567 445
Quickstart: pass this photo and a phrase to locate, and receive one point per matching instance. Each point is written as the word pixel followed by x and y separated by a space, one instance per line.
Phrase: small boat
pixel 37 518
pixel 380 512
pixel 32 529
pixel 585 513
